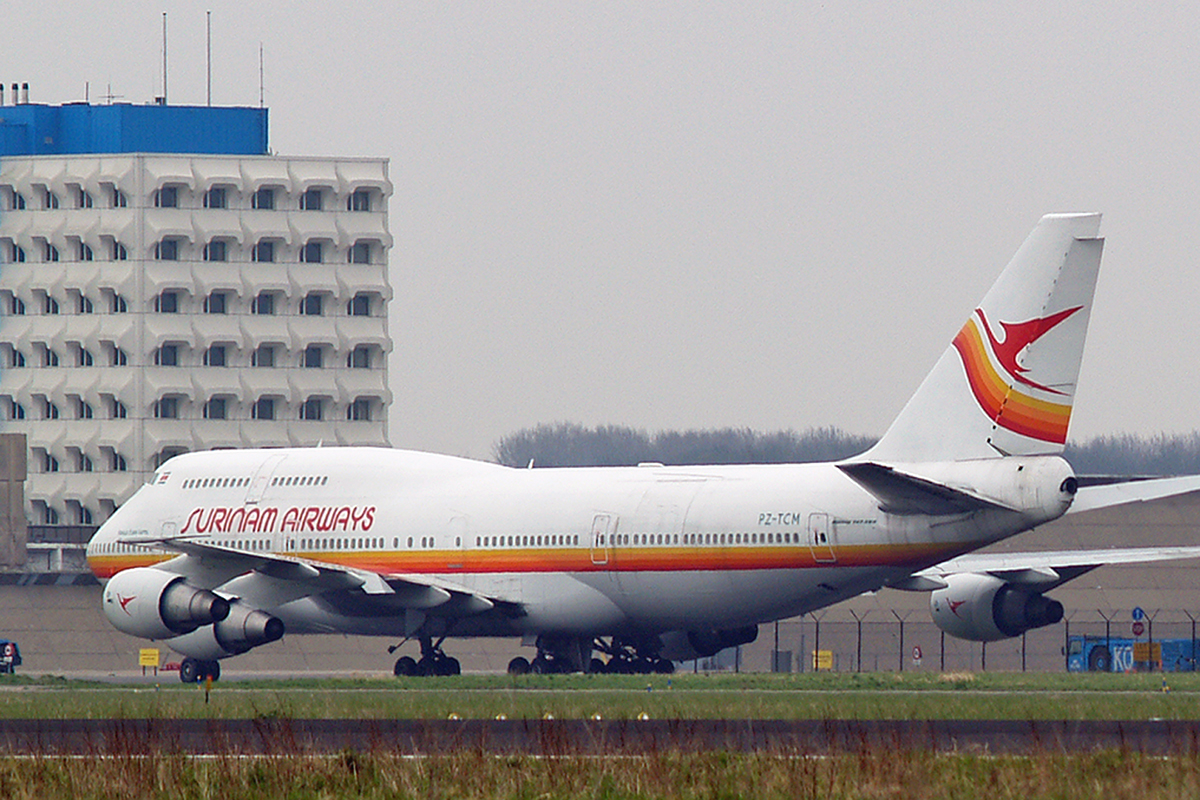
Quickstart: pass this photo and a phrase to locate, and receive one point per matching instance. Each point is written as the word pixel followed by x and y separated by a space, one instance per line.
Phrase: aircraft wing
pixel 1042 570
pixel 273 579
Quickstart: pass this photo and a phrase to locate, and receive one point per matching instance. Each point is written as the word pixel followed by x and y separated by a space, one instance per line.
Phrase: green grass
pixel 761 696
pixel 881 774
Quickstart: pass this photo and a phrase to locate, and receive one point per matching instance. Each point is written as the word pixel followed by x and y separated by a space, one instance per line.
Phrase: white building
pixel 160 303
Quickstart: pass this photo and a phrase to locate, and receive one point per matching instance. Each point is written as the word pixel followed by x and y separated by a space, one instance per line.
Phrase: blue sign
pixel 1138 614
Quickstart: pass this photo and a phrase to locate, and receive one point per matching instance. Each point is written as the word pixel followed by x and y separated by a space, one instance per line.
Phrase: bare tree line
pixel 566 444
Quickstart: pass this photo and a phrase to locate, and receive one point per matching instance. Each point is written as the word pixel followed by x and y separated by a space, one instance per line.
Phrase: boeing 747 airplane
pixel 224 551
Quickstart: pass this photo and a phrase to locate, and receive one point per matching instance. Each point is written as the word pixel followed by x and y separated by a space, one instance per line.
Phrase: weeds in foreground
pixel 883 773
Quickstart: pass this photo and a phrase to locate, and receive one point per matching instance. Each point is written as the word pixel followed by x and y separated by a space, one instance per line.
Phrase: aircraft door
pixel 820 538
pixel 262 479
pixel 602 529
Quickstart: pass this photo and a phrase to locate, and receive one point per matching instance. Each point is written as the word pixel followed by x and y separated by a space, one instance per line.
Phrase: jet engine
pixel 687 645
pixel 242 629
pixel 983 608
pixel 153 604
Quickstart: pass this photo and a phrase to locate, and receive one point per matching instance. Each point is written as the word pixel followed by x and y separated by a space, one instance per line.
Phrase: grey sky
pixel 702 215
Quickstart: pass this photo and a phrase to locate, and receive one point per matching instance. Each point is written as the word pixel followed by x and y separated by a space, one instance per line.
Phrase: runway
pixel 281 736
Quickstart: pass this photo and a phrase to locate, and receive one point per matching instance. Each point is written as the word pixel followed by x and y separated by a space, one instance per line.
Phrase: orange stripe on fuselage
pixel 549 560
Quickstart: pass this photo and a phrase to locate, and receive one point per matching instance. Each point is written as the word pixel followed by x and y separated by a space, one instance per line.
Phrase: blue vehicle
pixel 1122 654
pixel 10 656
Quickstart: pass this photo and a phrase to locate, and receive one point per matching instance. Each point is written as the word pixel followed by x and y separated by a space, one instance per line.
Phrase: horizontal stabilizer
pixel 1090 498
pixel 902 493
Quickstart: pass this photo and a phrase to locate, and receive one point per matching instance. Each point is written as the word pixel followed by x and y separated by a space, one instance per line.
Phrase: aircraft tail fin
pixel 1006 383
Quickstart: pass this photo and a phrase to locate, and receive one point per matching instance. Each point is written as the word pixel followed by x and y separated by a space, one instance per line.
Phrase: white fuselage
pixel 593 551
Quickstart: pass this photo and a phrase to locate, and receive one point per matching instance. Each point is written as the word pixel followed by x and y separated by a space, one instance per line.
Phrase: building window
pixel 117 304
pixel 263 252
pixel 117 252
pixel 313 305
pixel 49 410
pixel 83 462
pixel 85 358
pixel 167 408
pixel 16 254
pixel 117 409
pixel 49 305
pixel 167 356
pixel 216 198
pixel 215 356
pixel 83 410
pixel 263 356
pixel 264 408
pixel 311 200
pixel 50 253
pixel 359 410
pixel 117 199
pixel 85 513
pixel 49 199
pixel 359 253
pixel 167 197
pixel 117 463
pixel 16 411
pixel 311 409
pixel 84 305
pixel 49 464
pixel 17 359
pixel 82 198
pixel 359 306
pixel 312 356
pixel 216 303
pixel 311 253
pixel 264 303
pixel 263 199
pixel 167 302
pixel 215 408
pixel 18 307
pixel 167 250
pixel 84 252
pixel 359 358
pixel 216 250
pixel 359 200
pixel 117 356
pixel 18 202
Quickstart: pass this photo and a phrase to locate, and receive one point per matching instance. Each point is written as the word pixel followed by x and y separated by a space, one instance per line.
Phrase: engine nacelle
pixel 242 629
pixel 982 608
pixel 153 604
pixel 687 645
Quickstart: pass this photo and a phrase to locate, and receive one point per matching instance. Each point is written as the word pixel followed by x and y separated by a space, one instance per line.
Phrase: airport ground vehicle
pixel 1123 654
pixel 10 656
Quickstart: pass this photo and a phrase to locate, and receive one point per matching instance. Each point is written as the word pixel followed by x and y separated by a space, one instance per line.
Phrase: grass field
pixel 883 774
pixel 755 696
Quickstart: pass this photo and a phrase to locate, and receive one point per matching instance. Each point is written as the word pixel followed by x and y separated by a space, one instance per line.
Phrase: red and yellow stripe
pixel 1004 405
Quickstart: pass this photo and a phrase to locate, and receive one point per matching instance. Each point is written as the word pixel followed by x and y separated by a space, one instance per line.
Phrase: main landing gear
pixel 630 657
pixel 564 654
pixel 193 670
pixel 433 660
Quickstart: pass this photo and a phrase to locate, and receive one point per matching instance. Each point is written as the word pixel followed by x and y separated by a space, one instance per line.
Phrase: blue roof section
pixel 81 128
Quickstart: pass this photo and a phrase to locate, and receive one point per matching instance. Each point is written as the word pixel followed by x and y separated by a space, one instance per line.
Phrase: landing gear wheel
pixel 597 667
pixel 518 666
pixel 405 666
pixel 451 666
pixel 664 666
pixel 210 669
pixel 189 670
